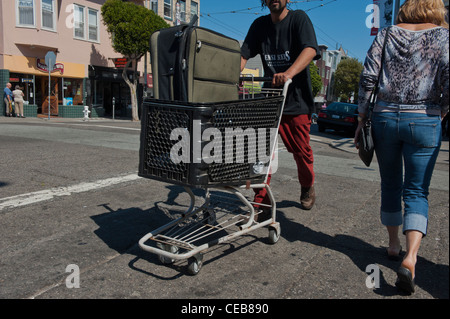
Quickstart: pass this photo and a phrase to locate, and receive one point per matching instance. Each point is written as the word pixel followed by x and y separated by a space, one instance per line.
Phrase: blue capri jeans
pixel 410 141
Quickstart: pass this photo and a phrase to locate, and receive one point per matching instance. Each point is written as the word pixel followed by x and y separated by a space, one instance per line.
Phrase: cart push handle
pixel 252 78
pixel 255 78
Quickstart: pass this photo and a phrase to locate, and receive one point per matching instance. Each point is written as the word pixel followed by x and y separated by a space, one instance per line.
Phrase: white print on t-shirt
pixel 276 60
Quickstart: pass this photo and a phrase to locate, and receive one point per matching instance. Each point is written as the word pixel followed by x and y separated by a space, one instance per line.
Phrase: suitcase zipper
pixel 200 43
pixel 214 81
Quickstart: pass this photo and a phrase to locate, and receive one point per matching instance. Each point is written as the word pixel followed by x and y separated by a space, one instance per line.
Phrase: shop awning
pixel 38 46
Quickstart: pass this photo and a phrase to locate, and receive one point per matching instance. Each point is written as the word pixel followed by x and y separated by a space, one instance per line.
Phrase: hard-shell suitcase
pixel 194 64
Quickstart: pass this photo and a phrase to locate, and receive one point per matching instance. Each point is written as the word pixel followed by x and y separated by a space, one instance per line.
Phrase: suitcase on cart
pixel 194 64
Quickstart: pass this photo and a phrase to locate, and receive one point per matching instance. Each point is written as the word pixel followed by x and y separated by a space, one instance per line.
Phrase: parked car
pixel 338 116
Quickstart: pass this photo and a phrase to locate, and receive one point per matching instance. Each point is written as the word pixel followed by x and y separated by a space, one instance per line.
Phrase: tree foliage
pixel 316 80
pixel 130 27
pixel 347 77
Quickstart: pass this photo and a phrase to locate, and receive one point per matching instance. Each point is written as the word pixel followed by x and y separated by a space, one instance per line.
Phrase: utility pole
pixel 395 11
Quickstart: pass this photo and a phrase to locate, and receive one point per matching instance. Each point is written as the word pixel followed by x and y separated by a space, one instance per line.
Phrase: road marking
pixel 48 194
pixel 98 125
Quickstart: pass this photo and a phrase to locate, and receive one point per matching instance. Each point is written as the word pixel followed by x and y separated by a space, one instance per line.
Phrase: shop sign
pixel 44 68
pixel 381 13
pixel 150 81
pixel 120 62
pixel 24 80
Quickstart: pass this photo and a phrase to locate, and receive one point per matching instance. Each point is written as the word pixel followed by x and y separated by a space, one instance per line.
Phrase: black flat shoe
pixel 405 281
pixel 395 257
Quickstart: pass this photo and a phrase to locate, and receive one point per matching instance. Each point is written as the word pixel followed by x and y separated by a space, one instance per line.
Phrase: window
pixel 86 30
pixel 183 16
pixel 154 6
pixel 194 10
pixel 48 14
pixel 25 13
pixel 73 91
pixel 168 9
pixel 78 21
pixel 93 25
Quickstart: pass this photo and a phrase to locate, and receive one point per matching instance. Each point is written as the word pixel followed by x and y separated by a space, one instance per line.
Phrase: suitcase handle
pixel 193 20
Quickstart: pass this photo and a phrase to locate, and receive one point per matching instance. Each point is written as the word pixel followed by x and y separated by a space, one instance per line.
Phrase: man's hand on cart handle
pixel 279 79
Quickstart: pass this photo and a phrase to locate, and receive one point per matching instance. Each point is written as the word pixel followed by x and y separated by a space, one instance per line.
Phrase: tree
pixel 316 80
pixel 347 77
pixel 130 27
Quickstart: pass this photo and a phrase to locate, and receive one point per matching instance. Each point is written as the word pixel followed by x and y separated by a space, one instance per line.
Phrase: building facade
pixel 174 12
pixel 87 70
pixel 327 66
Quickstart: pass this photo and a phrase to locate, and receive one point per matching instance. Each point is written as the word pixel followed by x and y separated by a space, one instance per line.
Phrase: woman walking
pixel 412 99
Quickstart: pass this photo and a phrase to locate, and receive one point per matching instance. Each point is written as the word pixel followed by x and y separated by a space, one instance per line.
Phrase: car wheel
pixel 321 127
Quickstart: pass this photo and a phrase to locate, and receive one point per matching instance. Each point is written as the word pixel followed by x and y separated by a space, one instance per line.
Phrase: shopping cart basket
pixel 226 149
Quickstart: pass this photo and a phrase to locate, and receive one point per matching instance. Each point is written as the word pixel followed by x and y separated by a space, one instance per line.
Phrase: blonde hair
pixel 423 11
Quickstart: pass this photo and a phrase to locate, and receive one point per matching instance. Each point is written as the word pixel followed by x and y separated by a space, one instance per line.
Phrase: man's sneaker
pixel 308 197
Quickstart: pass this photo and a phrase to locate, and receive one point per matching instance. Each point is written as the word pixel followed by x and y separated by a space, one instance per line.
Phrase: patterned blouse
pixel 415 72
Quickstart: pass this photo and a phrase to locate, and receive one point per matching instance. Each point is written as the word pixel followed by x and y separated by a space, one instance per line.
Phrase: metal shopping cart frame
pixel 207 224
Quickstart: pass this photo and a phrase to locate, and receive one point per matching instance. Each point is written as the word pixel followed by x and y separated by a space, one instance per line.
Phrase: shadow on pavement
pixel 363 254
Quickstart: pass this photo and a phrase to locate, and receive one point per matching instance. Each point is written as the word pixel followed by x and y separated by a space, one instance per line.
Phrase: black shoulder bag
pixel 366 145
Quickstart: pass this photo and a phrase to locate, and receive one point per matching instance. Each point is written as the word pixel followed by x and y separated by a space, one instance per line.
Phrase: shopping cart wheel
pixel 169 248
pixel 209 216
pixel 195 264
pixel 274 234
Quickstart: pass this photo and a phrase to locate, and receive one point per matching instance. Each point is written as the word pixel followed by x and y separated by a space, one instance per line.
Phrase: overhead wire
pixel 223 25
pixel 249 10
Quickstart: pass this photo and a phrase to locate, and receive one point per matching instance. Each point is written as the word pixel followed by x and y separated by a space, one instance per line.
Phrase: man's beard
pixel 277 8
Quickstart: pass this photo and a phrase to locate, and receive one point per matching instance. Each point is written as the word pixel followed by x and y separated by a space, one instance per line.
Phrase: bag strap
pixel 375 89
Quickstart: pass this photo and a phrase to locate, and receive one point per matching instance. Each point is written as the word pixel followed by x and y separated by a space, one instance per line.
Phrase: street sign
pixel 50 60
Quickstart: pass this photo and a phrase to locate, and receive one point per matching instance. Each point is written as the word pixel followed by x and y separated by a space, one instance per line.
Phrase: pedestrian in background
pixel 286 42
pixel 412 99
pixel 8 98
pixel 18 101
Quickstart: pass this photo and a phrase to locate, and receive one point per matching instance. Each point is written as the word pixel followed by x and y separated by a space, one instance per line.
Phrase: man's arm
pixel 302 61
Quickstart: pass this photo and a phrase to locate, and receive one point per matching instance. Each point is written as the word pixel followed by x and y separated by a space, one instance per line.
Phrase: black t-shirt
pixel 279 46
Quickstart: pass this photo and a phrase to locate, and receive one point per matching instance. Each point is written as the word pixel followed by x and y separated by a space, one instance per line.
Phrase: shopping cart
pixel 225 210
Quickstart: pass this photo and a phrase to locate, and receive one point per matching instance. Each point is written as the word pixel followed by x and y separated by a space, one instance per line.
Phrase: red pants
pixel 294 131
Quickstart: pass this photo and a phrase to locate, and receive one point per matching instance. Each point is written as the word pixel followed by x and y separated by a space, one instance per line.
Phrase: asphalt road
pixel 72 211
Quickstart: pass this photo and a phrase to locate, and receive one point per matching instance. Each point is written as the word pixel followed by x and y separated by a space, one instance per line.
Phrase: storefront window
pixel 73 92
pixel 26 84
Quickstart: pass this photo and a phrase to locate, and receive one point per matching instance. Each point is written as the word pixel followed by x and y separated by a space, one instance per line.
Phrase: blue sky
pixel 337 22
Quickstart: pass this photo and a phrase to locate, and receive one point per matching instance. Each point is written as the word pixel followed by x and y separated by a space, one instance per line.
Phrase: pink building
pixel 87 70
